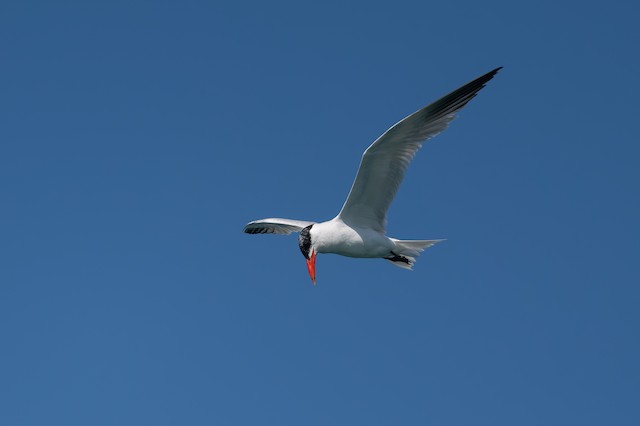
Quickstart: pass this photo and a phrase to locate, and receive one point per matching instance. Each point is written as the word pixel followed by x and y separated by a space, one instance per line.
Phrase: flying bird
pixel 359 229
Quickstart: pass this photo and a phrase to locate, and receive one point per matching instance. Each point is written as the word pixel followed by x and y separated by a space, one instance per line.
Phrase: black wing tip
pixel 248 229
pixel 493 72
pixel 253 231
pixel 457 99
pixel 483 79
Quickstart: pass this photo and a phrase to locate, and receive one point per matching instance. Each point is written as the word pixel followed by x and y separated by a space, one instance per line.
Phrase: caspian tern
pixel 359 229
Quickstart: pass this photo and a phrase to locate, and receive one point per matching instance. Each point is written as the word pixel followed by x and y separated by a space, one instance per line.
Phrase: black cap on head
pixel 304 241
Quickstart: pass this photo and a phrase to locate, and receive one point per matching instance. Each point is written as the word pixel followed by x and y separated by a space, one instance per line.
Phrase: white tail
pixel 407 250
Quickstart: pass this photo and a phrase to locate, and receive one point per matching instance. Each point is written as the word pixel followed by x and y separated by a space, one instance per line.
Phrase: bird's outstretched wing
pixel 384 163
pixel 275 225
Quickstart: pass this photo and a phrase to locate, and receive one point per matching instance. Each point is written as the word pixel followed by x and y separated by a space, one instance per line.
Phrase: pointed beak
pixel 311 266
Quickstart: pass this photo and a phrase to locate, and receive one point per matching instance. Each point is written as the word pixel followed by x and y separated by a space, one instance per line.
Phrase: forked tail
pixel 404 256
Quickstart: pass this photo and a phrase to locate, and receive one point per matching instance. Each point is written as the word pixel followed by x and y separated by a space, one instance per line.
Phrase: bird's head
pixel 306 247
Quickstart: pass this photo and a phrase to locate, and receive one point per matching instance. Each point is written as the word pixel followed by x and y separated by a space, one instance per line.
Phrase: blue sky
pixel 137 138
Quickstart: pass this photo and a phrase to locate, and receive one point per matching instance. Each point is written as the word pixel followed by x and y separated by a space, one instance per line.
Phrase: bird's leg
pixel 397 258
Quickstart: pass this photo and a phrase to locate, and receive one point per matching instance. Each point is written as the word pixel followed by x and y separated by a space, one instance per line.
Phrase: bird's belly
pixel 356 243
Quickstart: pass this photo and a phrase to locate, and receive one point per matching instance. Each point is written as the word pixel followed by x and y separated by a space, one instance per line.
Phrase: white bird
pixel 359 229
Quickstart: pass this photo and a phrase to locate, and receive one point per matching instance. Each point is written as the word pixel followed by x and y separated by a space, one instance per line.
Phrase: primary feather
pixel 275 225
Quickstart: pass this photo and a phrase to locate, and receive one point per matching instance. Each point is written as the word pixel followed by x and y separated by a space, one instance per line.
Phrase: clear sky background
pixel 137 139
